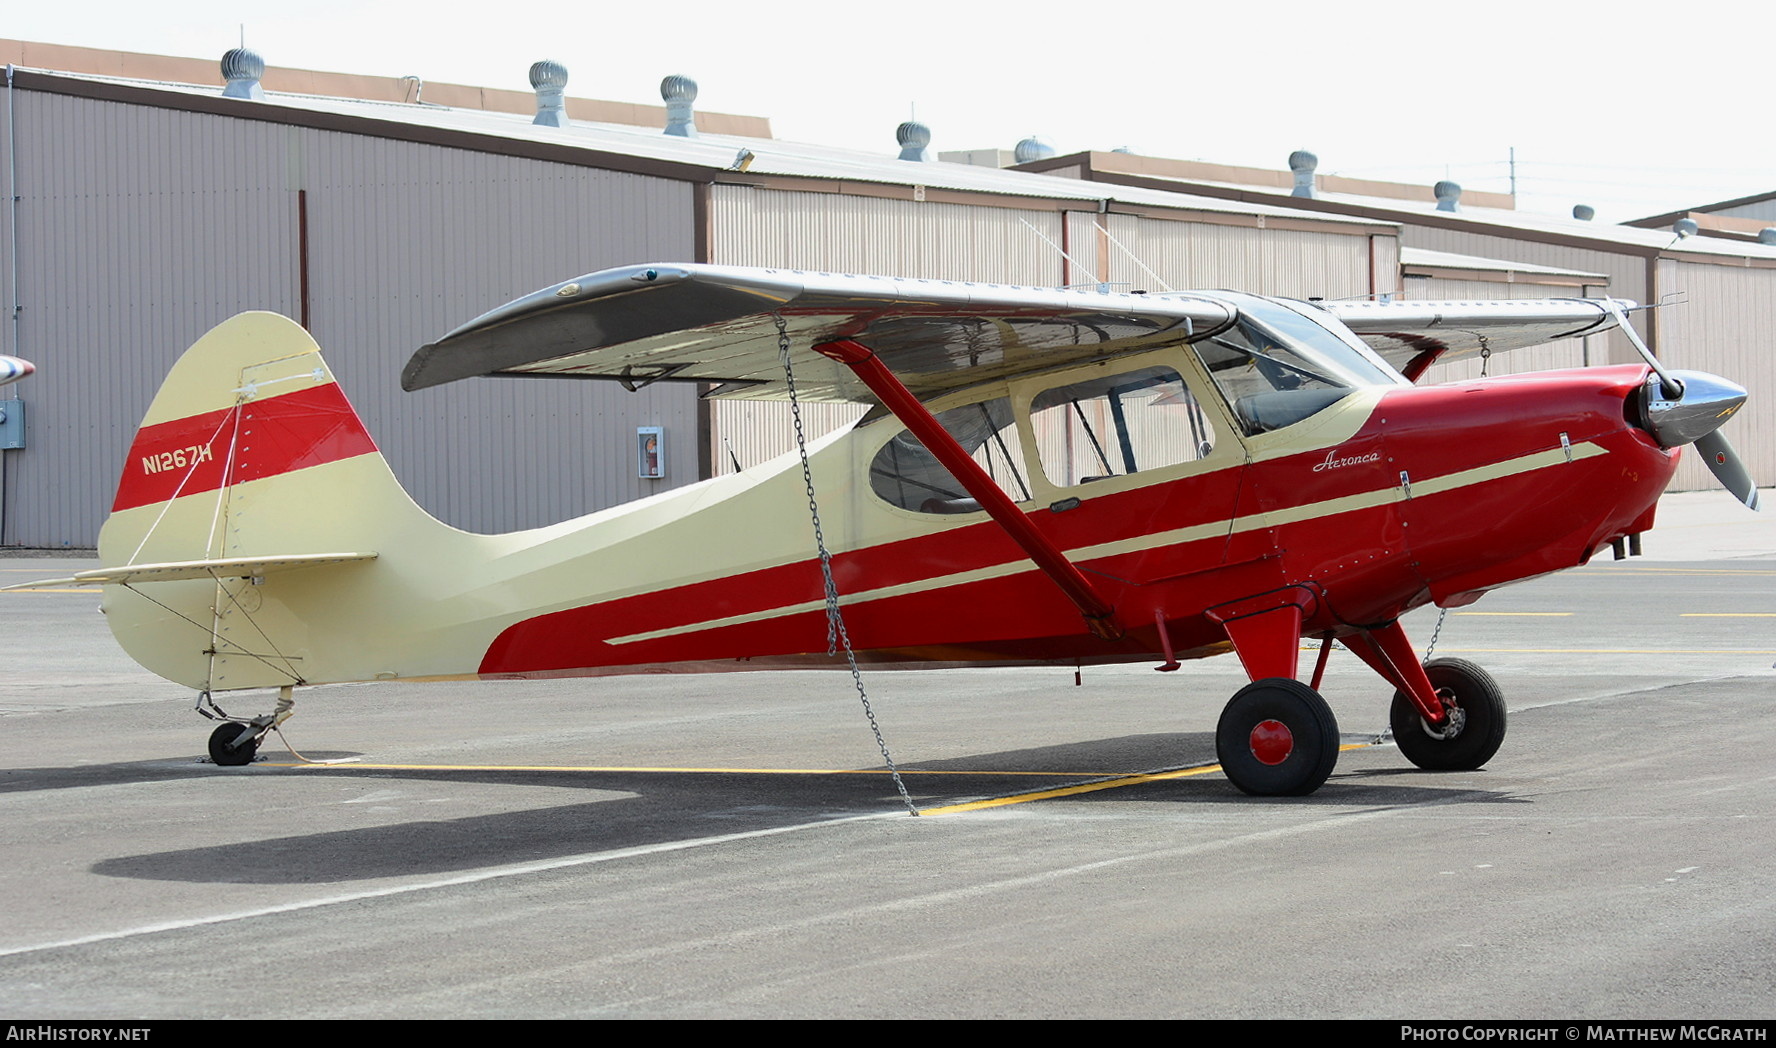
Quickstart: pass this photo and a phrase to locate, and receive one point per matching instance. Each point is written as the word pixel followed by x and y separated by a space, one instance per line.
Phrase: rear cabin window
pixel 904 474
pixel 1114 425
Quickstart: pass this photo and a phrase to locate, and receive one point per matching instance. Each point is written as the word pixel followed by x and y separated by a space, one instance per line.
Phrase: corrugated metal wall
pixel 831 233
pixel 1384 264
pixel 135 235
pixel 139 228
pixel 1291 263
pixel 1000 245
pixel 1724 326
pixel 1763 210
pixel 837 233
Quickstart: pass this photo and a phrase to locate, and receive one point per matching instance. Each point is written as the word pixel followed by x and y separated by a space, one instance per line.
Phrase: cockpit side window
pixel 904 474
pixel 1114 425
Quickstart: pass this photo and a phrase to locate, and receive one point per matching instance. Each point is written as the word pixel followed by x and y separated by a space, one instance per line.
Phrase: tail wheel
pixel 234 744
pixel 1277 738
pixel 1476 725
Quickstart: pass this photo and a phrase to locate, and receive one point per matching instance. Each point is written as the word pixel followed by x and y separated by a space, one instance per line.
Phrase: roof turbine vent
pixel 549 80
pixel 914 138
pixel 1033 148
pixel 1303 164
pixel 1448 195
pixel 680 91
pixel 242 69
pixel 1584 212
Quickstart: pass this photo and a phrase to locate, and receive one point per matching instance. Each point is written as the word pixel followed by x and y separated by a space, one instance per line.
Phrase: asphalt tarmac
pixel 729 847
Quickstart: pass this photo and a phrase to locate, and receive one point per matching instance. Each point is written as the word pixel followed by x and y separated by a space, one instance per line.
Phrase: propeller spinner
pixel 1689 407
pixel 1702 405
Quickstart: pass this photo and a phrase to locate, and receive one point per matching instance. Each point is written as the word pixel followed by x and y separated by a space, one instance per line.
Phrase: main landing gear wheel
pixel 1277 738
pixel 1476 725
pixel 233 744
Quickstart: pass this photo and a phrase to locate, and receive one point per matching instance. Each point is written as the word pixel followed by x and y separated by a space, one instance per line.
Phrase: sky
pixel 1633 108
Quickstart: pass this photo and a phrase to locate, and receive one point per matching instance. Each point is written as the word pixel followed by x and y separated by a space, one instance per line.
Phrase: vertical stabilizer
pixel 250 450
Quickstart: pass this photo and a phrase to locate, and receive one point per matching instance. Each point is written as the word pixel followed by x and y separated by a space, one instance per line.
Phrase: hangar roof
pixel 1705 209
pixel 1155 173
pixel 706 158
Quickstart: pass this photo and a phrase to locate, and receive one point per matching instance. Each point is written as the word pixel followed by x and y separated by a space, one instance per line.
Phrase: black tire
pixel 1467 688
pixel 1291 763
pixel 232 756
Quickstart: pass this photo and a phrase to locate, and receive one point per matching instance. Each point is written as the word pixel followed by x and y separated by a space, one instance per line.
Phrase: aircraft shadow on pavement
pixel 649 807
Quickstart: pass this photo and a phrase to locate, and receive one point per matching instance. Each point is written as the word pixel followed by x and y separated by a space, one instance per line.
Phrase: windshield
pixel 1277 366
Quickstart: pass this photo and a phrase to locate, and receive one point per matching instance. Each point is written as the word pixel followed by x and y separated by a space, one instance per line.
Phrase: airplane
pixel 1042 476
pixel 12 369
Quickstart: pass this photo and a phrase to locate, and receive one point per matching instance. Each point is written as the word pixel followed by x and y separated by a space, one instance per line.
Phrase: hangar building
pixel 150 201
pixel 1720 290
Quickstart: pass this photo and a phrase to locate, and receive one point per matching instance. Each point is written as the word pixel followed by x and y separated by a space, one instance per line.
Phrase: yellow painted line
pixel 1613 651
pixel 1091 787
pixel 1115 782
pixel 1728 615
pixel 1520 614
pixel 1070 791
pixel 1673 571
pixel 674 771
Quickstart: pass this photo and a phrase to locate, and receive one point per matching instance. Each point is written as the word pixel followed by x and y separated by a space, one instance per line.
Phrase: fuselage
pixel 1387 500
pixel 1171 494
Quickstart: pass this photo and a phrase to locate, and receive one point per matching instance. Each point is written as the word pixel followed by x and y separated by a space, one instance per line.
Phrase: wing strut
pixel 1100 617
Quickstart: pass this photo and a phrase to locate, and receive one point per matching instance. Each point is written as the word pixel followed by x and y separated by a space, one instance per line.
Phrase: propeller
pixel 1689 407
pixel 1722 461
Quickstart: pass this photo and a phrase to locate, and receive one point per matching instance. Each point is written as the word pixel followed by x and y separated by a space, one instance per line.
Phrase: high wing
pixel 1413 335
pixel 720 325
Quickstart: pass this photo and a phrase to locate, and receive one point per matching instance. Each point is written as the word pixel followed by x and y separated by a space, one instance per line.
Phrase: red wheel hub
pixel 1272 742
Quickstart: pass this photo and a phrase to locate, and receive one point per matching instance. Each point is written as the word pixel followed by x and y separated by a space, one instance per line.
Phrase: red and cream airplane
pixel 1043 476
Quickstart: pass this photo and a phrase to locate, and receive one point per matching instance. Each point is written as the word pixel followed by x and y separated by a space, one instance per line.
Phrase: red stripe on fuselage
pixel 270 436
pixel 1360 555
pixel 575 637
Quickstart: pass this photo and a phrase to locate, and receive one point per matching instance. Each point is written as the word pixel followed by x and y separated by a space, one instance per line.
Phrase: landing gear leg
pixel 235 741
pixel 1277 736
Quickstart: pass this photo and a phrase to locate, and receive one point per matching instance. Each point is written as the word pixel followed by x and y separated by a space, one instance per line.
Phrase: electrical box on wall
pixel 12 423
pixel 650 452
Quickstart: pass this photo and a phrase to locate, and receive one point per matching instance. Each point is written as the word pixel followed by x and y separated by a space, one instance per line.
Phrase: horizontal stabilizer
pixel 173 571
